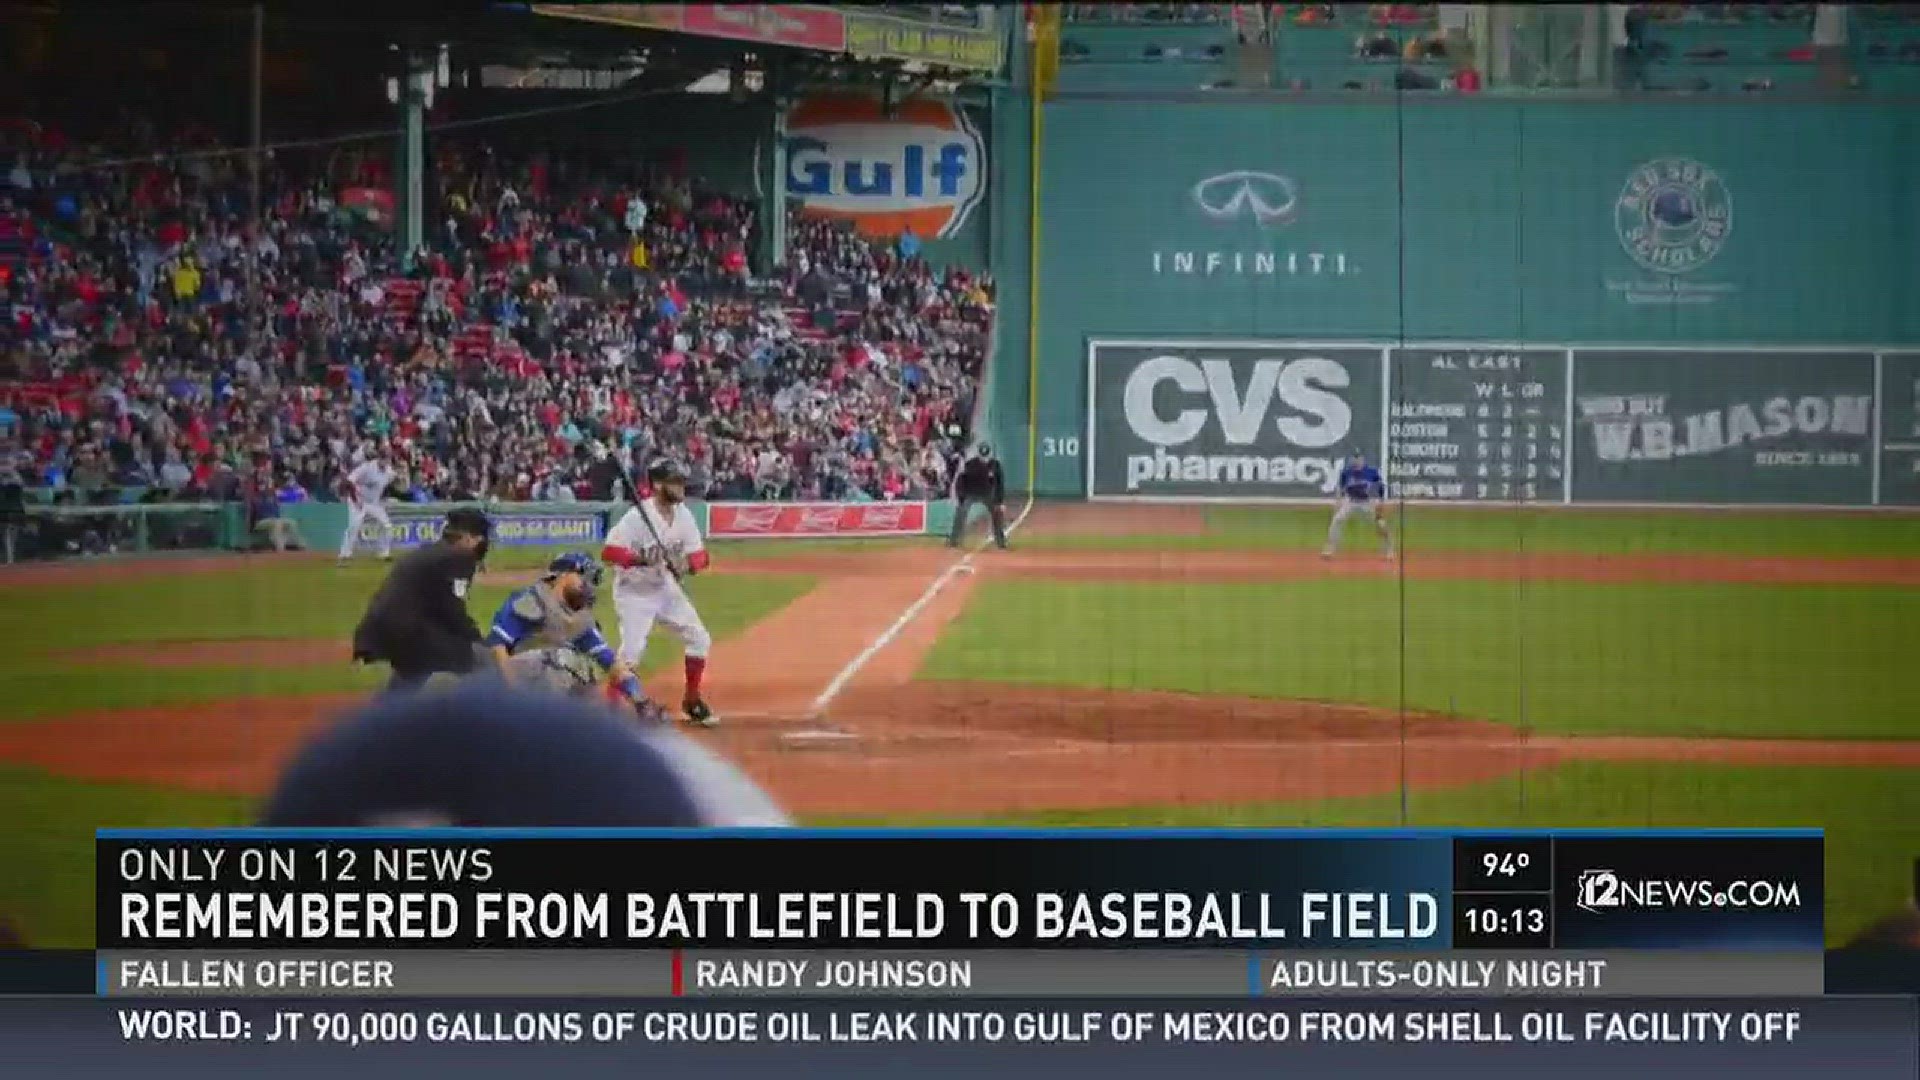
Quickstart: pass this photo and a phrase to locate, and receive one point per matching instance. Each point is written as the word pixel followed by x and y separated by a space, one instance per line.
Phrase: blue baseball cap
pixel 483 754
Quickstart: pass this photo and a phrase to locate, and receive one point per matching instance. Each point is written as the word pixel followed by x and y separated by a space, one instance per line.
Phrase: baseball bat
pixel 640 507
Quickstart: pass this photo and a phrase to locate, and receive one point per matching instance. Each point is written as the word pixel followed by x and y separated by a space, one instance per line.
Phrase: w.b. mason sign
pixel 1242 420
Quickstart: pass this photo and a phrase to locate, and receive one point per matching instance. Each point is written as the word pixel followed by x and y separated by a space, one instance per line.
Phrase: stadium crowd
pixel 564 310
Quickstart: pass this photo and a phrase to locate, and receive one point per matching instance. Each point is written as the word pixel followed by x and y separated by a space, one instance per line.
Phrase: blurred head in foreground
pixel 482 754
pixel 1900 930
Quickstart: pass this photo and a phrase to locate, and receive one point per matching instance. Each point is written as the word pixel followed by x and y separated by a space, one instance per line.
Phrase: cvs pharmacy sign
pixel 924 167
pixel 1242 420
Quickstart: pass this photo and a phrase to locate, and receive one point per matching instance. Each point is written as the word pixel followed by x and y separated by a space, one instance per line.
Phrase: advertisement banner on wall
pixel 1231 420
pixel 584 527
pixel 801 26
pixel 920 165
pixel 1711 426
pixel 1900 429
pixel 870 34
pixel 740 520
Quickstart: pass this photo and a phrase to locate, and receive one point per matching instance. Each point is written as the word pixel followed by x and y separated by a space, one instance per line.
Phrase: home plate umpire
pixel 483 754
pixel 417 621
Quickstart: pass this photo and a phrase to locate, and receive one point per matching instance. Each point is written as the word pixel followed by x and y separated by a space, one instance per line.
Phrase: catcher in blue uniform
pixel 546 635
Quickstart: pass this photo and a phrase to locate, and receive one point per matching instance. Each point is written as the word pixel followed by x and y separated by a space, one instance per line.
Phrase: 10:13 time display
pixel 1519 920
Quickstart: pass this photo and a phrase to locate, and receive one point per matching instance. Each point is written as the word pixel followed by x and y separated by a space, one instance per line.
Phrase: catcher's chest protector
pixel 556 626
pixel 568 671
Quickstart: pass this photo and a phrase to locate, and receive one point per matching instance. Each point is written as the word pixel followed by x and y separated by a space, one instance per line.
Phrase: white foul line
pixel 873 649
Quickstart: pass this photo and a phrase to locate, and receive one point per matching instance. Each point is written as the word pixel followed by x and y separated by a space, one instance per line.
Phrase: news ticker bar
pixel 1087 889
pixel 987 974
pixel 1010 1039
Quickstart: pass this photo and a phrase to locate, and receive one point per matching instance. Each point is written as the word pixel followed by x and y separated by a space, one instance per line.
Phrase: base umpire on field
pixel 418 623
pixel 979 479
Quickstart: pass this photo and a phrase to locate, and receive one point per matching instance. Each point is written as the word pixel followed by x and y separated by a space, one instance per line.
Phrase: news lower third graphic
pixel 1358 951
pixel 565 912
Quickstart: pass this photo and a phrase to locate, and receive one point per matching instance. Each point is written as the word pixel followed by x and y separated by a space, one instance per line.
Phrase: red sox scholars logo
pixel 1673 215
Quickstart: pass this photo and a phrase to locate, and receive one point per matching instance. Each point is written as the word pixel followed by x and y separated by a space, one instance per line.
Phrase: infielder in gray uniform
pixel 546 635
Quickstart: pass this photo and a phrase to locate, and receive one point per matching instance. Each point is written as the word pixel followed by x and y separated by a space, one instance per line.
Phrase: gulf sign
pixel 924 167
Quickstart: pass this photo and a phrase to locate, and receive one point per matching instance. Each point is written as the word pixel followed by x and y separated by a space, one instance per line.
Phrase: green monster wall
pixel 1282 223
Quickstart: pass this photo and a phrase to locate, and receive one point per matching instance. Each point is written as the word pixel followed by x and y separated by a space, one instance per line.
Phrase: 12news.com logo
pixel 1605 890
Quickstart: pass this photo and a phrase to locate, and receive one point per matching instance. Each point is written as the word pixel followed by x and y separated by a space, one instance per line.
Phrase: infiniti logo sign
pixel 1263 196
pixel 1236 200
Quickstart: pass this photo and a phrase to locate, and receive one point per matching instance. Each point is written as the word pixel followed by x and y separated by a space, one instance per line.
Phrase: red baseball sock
pixel 696 670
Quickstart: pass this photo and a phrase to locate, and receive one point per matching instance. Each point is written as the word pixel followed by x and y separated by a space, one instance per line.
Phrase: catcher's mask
pixel 589 573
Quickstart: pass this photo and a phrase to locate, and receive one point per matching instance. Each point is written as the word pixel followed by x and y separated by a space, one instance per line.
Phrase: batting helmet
pixel 662 471
pixel 485 754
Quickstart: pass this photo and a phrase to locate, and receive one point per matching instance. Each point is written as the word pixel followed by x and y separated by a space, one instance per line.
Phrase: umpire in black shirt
pixel 980 480
pixel 418 623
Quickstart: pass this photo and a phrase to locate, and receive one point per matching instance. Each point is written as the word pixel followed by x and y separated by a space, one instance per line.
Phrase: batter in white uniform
pixel 653 555
pixel 366 501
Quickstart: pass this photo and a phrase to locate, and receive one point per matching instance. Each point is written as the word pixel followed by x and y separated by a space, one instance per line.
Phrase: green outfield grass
pixel 1552 656
pixel 269 600
pixel 47 844
pixel 1872 818
pixel 1546 529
